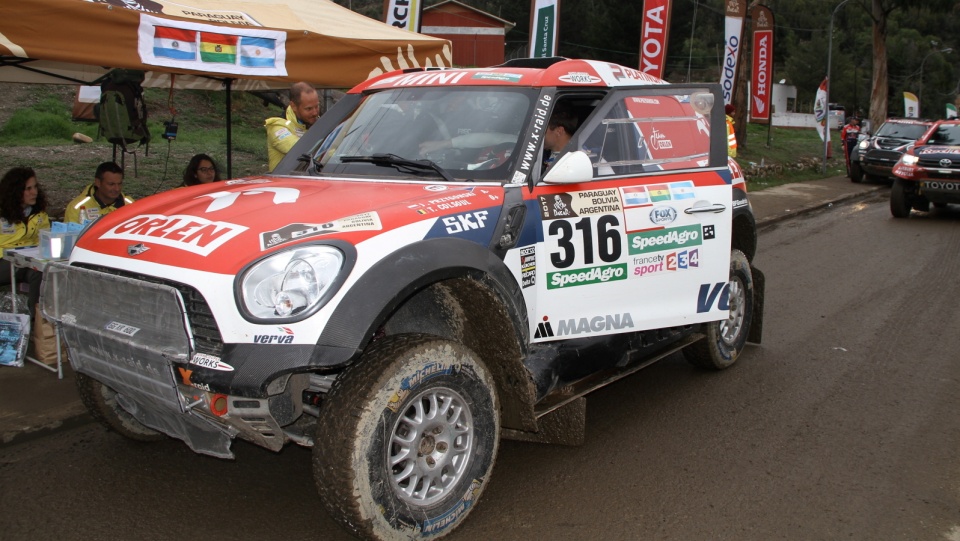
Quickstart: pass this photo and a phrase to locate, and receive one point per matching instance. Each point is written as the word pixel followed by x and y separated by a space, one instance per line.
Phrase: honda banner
pixel 405 14
pixel 654 36
pixel 736 9
pixel 761 85
pixel 911 104
pixel 544 16
pixel 820 111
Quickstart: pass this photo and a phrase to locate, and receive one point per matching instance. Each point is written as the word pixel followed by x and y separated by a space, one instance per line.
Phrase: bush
pixel 28 125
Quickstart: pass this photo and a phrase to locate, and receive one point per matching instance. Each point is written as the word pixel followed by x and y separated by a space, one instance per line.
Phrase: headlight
pixel 290 283
pixel 909 159
pixel 864 145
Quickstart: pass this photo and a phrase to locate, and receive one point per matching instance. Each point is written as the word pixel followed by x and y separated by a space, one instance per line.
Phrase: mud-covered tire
pixel 900 203
pixel 101 402
pixel 856 174
pixel 407 439
pixel 726 339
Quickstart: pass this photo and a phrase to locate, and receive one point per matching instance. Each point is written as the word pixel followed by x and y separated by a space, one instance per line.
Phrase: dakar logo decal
pixel 190 233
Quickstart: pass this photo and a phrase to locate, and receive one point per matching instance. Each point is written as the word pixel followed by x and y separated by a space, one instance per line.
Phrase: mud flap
pixel 564 426
pixel 755 333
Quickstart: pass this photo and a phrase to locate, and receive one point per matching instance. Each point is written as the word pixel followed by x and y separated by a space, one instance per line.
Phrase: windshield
pixel 910 132
pixel 471 133
pixel 946 134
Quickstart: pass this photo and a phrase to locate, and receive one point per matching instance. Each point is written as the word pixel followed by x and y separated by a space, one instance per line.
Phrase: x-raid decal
pixel 183 232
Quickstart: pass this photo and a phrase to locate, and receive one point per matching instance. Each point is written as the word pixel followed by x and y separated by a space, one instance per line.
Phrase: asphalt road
pixel 842 425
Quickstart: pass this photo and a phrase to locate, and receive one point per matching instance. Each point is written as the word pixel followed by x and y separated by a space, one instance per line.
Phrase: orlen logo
pixel 190 233
pixel 285 338
pixel 663 215
pixel 211 362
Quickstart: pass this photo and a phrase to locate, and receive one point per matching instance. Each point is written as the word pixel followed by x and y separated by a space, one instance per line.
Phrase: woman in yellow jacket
pixel 23 213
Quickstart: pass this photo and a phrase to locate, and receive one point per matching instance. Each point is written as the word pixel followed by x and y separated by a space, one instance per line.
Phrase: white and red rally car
pixel 417 279
pixel 929 171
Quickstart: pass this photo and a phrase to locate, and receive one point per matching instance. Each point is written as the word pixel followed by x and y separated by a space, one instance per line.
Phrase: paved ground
pixel 33 402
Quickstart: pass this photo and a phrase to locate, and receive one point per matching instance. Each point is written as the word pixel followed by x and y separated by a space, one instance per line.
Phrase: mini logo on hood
pixel 136 249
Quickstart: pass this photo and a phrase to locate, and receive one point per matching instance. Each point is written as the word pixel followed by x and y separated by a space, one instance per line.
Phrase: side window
pixel 645 131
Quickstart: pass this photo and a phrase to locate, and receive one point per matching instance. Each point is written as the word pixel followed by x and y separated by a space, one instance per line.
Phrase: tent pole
pixel 229 130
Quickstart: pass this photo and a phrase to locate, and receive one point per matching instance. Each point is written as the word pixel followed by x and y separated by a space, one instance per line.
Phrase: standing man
pixel 102 197
pixel 283 133
pixel 729 109
pixel 850 135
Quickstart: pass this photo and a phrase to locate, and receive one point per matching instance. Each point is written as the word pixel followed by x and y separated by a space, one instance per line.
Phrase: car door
pixel 645 243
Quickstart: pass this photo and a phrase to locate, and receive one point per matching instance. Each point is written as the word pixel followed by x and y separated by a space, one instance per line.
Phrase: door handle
pixel 717 207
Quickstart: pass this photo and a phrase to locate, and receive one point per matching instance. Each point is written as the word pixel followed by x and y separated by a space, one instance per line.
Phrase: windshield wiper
pixel 392 160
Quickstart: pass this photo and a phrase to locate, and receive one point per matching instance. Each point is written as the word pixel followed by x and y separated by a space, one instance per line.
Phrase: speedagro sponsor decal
pixel 665 239
pixel 211 362
pixel 190 233
pixel 582 277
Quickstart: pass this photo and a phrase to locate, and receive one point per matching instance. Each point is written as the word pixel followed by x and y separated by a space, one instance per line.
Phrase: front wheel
pixel 856 174
pixel 900 203
pixel 407 439
pixel 102 403
pixel 725 339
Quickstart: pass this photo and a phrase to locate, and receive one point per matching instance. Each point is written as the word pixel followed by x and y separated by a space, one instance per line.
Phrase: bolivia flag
pixel 218 48
pixel 174 43
pixel 659 192
pixel 258 52
pixel 683 190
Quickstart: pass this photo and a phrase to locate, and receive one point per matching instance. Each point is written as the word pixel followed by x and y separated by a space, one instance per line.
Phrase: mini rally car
pixel 418 279
pixel 929 171
pixel 876 154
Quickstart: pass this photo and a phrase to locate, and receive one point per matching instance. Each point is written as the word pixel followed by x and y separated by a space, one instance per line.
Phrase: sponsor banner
pixel 606 323
pixel 183 232
pixel 474 225
pixel 582 277
pixel 576 204
pixel 367 221
pixel 647 265
pixel 203 47
pixel 528 266
pixel 911 105
pixel 404 14
pixel 544 15
pixel 654 36
pixel 761 86
pixel 820 111
pixel 733 30
pixel 951 111
pixel 671 238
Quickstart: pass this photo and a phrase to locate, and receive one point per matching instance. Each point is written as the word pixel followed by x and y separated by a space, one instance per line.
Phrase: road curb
pixel 813 208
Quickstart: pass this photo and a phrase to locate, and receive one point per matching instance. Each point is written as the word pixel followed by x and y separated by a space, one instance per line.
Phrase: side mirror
pixel 571 168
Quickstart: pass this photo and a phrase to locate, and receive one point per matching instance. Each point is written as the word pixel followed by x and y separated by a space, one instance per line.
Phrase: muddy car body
pixel 416 281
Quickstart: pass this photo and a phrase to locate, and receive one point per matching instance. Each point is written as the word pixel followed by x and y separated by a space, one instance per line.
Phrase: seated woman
pixel 201 170
pixel 23 213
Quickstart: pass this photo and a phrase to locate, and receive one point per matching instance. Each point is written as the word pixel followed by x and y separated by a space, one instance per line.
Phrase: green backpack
pixel 123 112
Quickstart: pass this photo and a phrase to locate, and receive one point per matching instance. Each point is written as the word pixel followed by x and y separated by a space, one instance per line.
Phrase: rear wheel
pixel 899 200
pixel 102 403
pixel 725 339
pixel 406 439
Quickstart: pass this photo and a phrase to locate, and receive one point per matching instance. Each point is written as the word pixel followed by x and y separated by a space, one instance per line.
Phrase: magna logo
pixel 285 338
pixel 596 324
pixel 190 233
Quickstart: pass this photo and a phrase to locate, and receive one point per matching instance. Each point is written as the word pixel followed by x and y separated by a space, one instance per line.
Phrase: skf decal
pixel 467 225
pixel 428 372
pixel 528 266
pixel 222 200
pixel 367 221
pixel 285 338
pixel 710 294
pixel 588 325
pixel 210 362
pixel 544 329
pixel 190 233
pixel 459 223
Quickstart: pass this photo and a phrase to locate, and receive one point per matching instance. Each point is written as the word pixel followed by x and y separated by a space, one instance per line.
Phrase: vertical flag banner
pixel 820 111
pixel 951 111
pixel 733 30
pixel 911 105
pixel 654 36
pixel 761 85
pixel 405 14
pixel 544 18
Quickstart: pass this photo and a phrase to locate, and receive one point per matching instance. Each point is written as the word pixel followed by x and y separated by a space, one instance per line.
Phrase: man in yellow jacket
pixel 102 197
pixel 283 133
pixel 729 109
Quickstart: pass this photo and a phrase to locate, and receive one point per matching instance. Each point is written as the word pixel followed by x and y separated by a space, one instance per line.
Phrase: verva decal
pixel 183 232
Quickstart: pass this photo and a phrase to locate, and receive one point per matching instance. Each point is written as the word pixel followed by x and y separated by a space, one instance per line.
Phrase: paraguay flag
pixel 258 52
pixel 174 43
pixel 682 190
pixel 219 48
pixel 659 192
pixel 634 196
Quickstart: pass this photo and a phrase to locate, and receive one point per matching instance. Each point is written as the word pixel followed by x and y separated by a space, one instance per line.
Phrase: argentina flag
pixel 258 52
